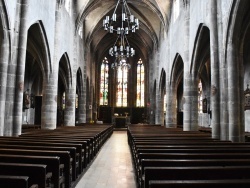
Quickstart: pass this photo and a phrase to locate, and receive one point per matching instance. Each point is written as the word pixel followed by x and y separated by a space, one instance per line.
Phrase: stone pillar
pixel 234 106
pixel 20 57
pixel 4 59
pixel 50 84
pixel 69 113
pixel 158 109
pixel 190 103
pixel 89 103
pixel 215 81
pixel 223 78
pixel 171 113
pixel 81 110
pixel 190 84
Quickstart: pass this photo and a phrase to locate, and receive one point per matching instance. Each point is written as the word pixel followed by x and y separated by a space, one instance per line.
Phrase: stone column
pixel 171 113
pixel 69 113
pixel 50 84
pixel 223 78
pixel 215 81
pixel 158 109
pixel 81 109
pixel 190 84
pixel 233 95
pixel 20 57
pixel 4 59
pixel 89 106
pixel 190 103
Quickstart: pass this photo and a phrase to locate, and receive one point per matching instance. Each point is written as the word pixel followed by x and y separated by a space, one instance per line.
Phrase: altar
pixel 120 121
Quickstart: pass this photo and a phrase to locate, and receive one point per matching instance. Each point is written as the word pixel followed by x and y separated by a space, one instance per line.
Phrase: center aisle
pixel 112 167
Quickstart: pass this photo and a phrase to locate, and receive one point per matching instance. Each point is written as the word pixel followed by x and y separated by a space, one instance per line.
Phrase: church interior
pixel 124 93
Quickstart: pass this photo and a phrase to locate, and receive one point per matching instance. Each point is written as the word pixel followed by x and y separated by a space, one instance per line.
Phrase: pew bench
pixel 16 182
pixel 188 163
pixel 37 173
pixel 228 183
pixel 64 159
pixel 196 173
pixel 52 162
pixel 75 156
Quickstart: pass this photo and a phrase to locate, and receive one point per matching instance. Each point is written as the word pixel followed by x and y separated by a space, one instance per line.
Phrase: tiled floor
pixel 112 168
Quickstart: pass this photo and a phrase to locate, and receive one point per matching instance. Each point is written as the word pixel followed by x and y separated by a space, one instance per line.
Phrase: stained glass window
pixel 140 84
pixel 122 87
pixel 104 82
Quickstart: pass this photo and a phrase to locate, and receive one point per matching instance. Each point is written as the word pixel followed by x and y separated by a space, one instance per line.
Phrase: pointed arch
pixel 177 70
pixel 162 83
pixel 38 46
pixel 65 70
pixel 201 52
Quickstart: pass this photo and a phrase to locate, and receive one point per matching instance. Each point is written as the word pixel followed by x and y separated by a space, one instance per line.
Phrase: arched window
pixel 122 87
pixel 63 101
pixel 76 100
pixel 140 84
pixel 104 82
pixel 200 97
pixel 176 9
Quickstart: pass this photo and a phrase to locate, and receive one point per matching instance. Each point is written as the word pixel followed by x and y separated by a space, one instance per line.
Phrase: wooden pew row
pixel 61 140
pixel 72 150
pixel 228 183
pixel 87 143
pixel 16 182
pixel 196 173
pixel 64 159
pixel 41 145
pixel 170 150
pixel 188 163
pixel 53 165
pixel 36 172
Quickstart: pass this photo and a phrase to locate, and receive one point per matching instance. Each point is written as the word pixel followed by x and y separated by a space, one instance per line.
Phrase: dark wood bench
pixel 52 162
pixel 86 145
pixel 64 159
pixel 42 143
pixel 235 183
pixel 188 163
pixel 196 173
pixel 36 172
pixel 72 150
pixel 16 182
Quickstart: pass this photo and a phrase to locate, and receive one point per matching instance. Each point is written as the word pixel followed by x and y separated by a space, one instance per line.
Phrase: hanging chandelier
pixel 126 23
pixel 121 50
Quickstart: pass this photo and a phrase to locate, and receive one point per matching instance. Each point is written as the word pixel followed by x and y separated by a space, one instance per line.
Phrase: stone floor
pixel 112 168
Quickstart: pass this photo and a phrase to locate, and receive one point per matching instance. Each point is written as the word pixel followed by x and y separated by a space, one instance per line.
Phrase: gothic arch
pixel 201 51
pixel 177 70
pixel 65 72
pixel 38 46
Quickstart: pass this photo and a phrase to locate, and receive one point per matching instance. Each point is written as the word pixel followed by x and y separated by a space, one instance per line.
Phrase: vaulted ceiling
pixel 153 15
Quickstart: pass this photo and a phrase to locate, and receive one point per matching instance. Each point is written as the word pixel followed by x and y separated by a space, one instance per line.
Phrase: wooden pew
pixel 16 182
pixel 79 150
pixel 52 163
pixel 196 173
pixel 36 172
pixel 72 150
pixel 228 183
pixel 188 163
pixel 64 159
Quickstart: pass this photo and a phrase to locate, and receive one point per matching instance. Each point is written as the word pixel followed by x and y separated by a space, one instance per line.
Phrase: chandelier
pixel 125 23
